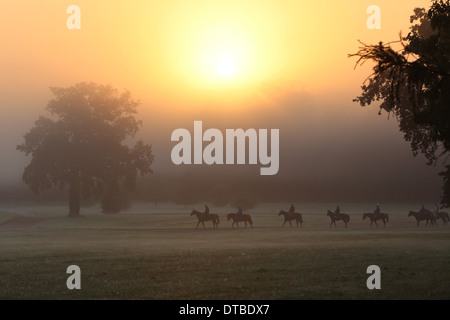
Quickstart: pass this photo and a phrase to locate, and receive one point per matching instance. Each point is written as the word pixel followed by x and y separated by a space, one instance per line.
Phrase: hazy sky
pixel 250 64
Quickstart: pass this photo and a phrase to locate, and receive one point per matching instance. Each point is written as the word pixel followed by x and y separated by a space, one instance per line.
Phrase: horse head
pixel 282 212
pixel 194 212
pixel 412 213
pixel 365 215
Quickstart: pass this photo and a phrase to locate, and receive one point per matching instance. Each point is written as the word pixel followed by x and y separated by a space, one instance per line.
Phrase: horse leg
pixel 290 223
pixel 197 224
pixel 376 223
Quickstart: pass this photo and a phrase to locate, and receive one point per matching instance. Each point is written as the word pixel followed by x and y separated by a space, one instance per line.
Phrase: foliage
pixel 82 145
pixel 414 84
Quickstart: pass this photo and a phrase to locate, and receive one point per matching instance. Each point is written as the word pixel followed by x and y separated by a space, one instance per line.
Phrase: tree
pixel 114 198
pixel 81 146
pixel 413 84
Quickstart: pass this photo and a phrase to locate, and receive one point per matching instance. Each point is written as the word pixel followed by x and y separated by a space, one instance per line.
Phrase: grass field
pixel 150 253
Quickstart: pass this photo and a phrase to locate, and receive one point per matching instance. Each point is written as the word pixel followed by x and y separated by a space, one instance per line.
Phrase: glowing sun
pixel 226 67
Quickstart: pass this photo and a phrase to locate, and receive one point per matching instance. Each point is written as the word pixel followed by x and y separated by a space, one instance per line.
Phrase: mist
pixel 331 149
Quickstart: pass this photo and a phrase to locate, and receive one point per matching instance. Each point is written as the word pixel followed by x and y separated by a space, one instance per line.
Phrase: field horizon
pixel 161 256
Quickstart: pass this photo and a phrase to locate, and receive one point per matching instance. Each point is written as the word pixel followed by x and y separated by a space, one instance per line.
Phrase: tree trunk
pixel 74 194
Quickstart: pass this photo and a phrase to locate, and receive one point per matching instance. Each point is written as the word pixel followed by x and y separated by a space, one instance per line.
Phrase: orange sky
pixel 167 51
pixel 290 61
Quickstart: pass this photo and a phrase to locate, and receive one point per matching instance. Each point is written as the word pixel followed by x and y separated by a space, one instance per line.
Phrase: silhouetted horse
pixel 289 217
pixel 239 218
pixel 338 216
pixel 206 217
pixel 374 217
pixel 423 215
pixel 442 215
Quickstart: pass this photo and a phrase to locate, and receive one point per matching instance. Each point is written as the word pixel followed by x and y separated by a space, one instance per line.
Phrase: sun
pixel 226 67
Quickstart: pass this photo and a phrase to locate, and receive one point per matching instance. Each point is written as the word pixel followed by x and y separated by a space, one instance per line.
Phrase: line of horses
pixel 214 218
pixel 422 215
pixel 429 216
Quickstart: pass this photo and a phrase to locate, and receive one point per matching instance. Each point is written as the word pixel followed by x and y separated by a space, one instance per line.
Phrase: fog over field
pixel 294 75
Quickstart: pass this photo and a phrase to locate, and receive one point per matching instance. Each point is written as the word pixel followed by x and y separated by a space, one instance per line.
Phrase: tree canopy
pixel 83 144
pixel 413 83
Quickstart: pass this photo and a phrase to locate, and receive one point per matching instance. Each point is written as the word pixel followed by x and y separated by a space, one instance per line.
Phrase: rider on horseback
pixel 377 211
pixel 239 210
pixel 206 211
pixel 436 210
pixel 291 210
pixel 422 210
pixel 337 211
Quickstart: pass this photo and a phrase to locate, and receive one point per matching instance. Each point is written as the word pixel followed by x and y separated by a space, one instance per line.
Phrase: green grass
pixel 161 256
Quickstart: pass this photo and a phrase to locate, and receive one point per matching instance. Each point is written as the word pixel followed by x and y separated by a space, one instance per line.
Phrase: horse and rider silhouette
pixel 336 216
pixel 240 217
pixel 376 215
pixel 206 216
pixel 422 215
pixel 440 215
pixel 291 215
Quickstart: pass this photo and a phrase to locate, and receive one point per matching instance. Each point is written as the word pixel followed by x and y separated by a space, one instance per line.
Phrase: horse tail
pixel 218 220
pixel 387 217
pixel 250 219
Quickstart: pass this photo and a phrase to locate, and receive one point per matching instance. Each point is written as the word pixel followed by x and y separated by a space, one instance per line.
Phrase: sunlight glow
pixel 226 67
pixel 217 47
